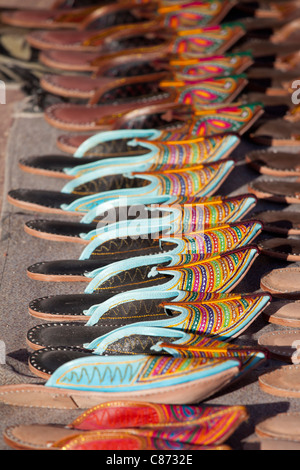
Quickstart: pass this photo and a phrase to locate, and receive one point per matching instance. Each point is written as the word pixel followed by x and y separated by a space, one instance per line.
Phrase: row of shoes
pixel 154 90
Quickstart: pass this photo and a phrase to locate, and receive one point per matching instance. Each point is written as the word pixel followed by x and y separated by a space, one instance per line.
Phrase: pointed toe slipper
pixel 132 416
pixel 90 381
pixel 112 99
pixel 215 211
pixel 156 156
pixel 119 248
pixel 118 97
pixel 44 362
pixel 124 439
pixel 84 193
pixel 242 310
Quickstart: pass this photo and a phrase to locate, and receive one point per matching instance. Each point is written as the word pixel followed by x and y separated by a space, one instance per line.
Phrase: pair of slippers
pixel 106 184
pixel 135 426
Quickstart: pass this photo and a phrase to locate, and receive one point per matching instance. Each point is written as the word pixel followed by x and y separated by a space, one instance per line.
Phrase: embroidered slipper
pixel 91 17
pixel 78 307
pixel 161 121
pixel 284 313
pixel 283 427
pixel 282 282
pixel 118 97
pixel 128 415
pixel 149 271
pixel 206 243
pixel 88 382
pixel 84 86
pixel 44 362
pixel 154 155
pixel 129 440
pixel 287 249
pixel 187 15
pixel 282 382
pixel 281 190
pixel 135 62
pixel 152 37
pixel 220 119
pixel 84 193
pixel 274 163
pixel 282 344
pixel 221 317
pixel 208 212
pixel 91 89
pixel 209 39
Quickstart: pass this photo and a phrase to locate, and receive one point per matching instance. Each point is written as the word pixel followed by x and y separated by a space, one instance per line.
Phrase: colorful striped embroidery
pixel 177 155
pixel 127 440
pixel 225 119
pixel 196 217
pixel 199 181
pixel 131 415
pixel 223 318
pixel 193 14
pixel 127 373
pixel 217 240
pixel 218 274
pixel 207 41
pixel 209 91
pixel 214 66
